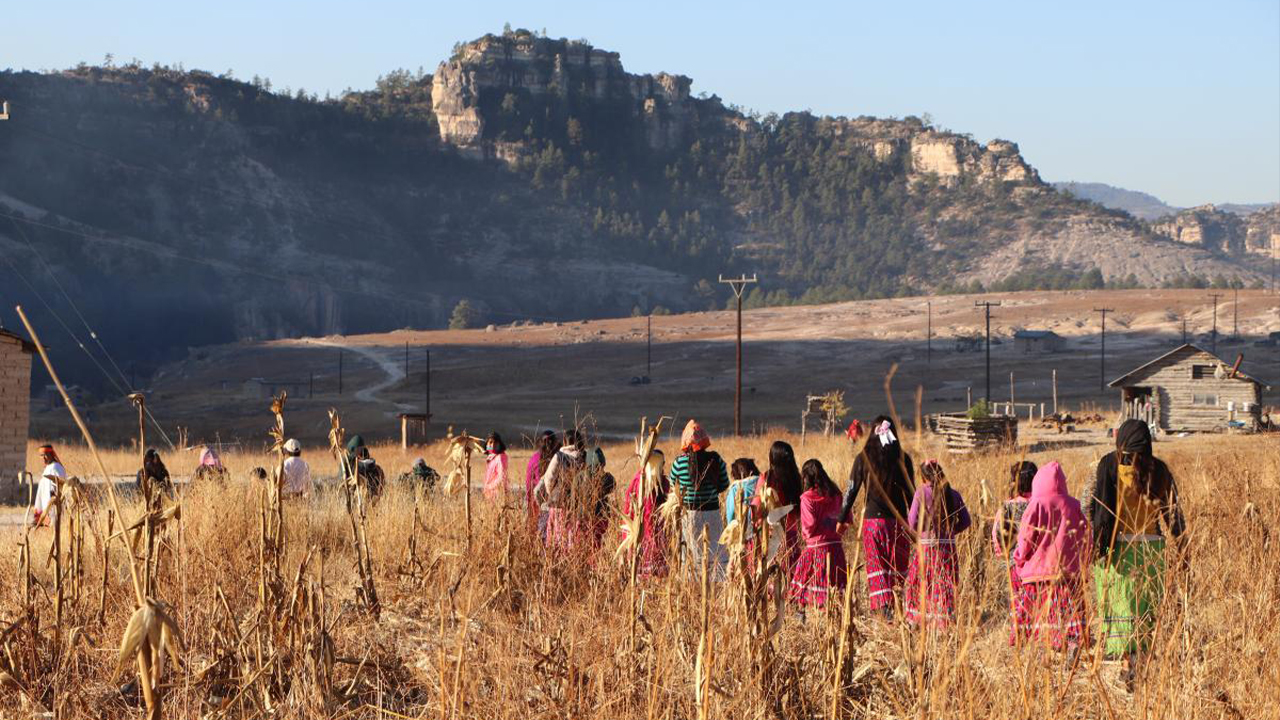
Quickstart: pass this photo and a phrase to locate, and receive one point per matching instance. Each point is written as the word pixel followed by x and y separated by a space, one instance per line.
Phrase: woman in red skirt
pixel 938 514
pixel 821 567
pixel 1004 537
pixel 783 478
pixel 889 477
pixel 647 493
pixel 1053 550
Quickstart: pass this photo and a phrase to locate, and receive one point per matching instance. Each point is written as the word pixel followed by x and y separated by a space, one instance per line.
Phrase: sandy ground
pixel 522 377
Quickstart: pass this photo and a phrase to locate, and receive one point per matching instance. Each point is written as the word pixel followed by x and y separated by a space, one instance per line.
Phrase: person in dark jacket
pixel 889 476
pixel 153 469
pixel 1133 497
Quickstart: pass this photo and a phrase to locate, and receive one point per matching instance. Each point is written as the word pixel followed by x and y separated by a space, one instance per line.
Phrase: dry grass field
pixel 271 609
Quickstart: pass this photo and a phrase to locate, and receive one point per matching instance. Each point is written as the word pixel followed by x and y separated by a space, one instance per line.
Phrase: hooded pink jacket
pixel 1054 540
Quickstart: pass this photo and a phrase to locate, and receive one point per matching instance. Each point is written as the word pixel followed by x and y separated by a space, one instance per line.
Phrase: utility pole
pixel 1214 336
pixel 987 305
pixel 406 359
pixel 739 284
pixel 1102 367
pixel 427 383
pixel 339 371
pixel 1184 328
pixel 929 336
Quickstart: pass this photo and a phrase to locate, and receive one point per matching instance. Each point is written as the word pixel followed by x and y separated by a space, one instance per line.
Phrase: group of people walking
pixel 1047 541
pixel 797 517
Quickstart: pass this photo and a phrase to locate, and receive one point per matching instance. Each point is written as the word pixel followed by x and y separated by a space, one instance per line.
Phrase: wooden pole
pixel 93 449
pixel 1055 391
pixel 467 489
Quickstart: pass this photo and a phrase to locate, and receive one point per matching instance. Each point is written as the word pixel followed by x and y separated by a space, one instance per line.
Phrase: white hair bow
pixel 885 432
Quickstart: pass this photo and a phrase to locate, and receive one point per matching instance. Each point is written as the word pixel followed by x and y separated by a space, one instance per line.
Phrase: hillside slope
pixel 534 176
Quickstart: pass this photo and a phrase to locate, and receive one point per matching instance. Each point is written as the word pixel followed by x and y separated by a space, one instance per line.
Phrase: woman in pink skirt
pixel 938 514
pixel 886 472
pixel 1053 550
pixel 646 494
pixel 821 568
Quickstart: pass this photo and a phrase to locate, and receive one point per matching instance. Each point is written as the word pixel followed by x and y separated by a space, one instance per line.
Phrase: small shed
pixel 15 410
pixel 1190 389
pixel 1038 341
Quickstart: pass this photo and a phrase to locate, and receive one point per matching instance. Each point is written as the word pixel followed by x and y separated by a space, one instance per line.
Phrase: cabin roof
pixel 1034 334
pixel 1123 380
pixel 26 344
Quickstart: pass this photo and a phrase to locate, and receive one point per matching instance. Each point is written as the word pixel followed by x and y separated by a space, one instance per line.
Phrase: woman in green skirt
pixel 1134 496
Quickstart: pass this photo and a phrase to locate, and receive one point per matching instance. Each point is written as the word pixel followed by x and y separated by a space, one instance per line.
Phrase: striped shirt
pixel 700 490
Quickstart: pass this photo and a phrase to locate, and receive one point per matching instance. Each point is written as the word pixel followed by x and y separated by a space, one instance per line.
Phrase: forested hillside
pixel 532 176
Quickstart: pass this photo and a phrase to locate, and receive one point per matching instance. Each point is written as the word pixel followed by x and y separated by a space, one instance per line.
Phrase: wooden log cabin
pixel 1191 390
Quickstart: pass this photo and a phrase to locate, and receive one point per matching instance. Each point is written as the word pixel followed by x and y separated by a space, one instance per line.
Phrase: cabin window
pixel 1199 399
pixel 1202 372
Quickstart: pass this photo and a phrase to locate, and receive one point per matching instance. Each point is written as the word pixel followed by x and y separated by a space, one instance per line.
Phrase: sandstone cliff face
pixel 484 71
pixel 1207 227
pixel 946 156
pixel 1262 233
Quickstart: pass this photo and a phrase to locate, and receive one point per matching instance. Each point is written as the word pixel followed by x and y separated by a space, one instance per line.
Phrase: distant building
pixel 15 411
pixel 1191 390
pixel 1038 341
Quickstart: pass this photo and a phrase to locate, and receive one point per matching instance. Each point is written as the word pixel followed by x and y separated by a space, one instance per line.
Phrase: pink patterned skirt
pixel 887 548
pixel 568 533
pixel 818 572
pixel 1052 612
pixel 931 583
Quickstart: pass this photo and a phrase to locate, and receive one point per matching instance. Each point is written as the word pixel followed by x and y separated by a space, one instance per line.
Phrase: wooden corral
pixel 1191 390
pixel 964 434
pixel 413 425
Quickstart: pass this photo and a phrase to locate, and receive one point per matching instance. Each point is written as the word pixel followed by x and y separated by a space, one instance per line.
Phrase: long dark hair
pixel 943 509
pixel 573 438
pixel 815 477
pixel 1021 476
pixel 546 447
pixel 785 474
pixel 882 459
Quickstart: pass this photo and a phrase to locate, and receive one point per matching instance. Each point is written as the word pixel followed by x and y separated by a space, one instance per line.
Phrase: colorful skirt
pixel 931 583
pixel 568 533
pixel 819 571
pixel 887 548
pixel 1018 618
pixel 1130 586
pixel 1052 612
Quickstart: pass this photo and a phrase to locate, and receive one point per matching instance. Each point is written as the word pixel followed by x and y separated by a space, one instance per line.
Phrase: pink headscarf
pixel 209 458
pixel 1054 540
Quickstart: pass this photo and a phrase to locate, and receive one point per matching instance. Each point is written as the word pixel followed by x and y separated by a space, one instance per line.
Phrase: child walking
pixel 1052 552
pixel 821 567
pixel 1004 537
pixel 937 514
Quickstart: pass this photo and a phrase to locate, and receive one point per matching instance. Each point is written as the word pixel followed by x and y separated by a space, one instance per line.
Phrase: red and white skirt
pixel 887 548
pixel 820 570
pixel 1052 612
pixel 931 582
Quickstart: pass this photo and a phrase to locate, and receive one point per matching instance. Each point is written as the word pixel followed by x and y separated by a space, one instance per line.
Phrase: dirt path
pixel 394 373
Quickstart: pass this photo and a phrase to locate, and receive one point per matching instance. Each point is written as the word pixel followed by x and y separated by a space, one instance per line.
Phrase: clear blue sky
pixel 1174 98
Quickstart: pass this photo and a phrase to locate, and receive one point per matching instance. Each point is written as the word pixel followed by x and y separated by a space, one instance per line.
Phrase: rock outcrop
pixel 486 79
pixel 1205 226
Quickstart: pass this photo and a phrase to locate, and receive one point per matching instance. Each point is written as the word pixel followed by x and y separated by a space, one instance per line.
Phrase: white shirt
pixel 297 477
pixel 47 490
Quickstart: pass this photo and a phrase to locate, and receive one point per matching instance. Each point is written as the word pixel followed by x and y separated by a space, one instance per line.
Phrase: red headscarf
pixel 694 438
